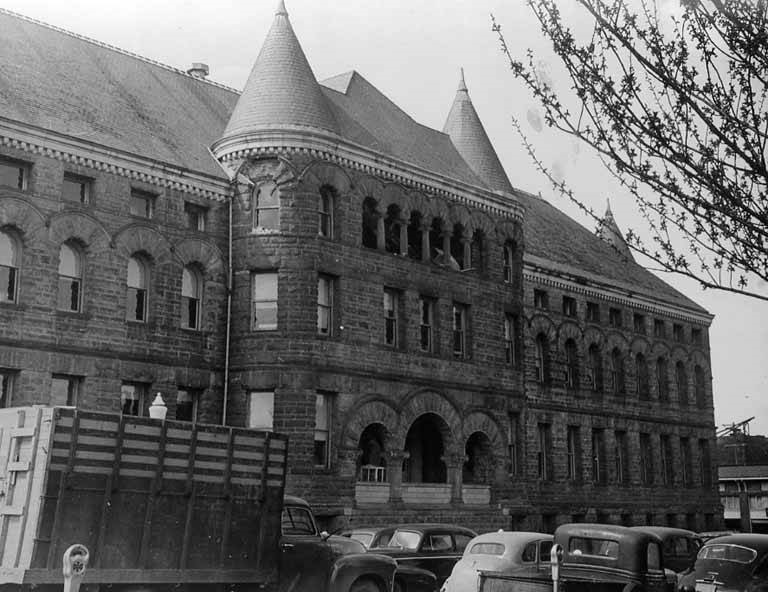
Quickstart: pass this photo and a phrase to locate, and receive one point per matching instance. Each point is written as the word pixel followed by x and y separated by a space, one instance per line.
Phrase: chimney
pixel 198 70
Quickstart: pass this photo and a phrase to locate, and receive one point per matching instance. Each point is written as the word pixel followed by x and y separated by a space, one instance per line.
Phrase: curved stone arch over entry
pixel 423 402
pixel 366 413
pixel 429 443
pixel 479 421
pixel 539 323
pixel 594 335
pixel 569 330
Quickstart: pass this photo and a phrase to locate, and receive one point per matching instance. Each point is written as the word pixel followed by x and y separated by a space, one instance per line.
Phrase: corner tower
pixel 610 232
pixel 467 133
pixel 281 94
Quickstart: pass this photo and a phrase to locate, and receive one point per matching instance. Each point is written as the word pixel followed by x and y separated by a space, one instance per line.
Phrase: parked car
pixel 433 547
pixel 732 563
pixel 371 537
pixel 679 547
pixel 612 558
pixel 523 555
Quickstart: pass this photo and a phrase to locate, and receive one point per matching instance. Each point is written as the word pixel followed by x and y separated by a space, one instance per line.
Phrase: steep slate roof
pixel 466 130
pixel 281 90
pixel 54 80
pixel 552 235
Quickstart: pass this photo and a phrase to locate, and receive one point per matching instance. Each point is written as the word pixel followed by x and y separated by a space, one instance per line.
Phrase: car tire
pixel 365 585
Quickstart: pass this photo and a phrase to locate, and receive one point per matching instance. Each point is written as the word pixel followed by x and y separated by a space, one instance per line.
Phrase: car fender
pixel 348 568
pixel 416 578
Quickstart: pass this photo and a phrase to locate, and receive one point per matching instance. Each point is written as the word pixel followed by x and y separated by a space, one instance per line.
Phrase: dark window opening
pixel 415 236
pixel 571 365
pixel 569 306
pixel 425 445
pixel 478 468
pixel 392 230
pixel 370 223
pixel 373 454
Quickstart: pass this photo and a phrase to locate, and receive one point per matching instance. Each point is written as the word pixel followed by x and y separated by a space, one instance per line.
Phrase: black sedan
pixel 733 563
pixel 432 547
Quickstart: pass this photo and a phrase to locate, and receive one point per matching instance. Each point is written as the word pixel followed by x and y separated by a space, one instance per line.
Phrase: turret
pixel 467 133
pixel 609 231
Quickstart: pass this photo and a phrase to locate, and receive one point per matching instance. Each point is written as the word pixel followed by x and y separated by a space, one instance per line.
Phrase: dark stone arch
pixel 367 412
pixel 422 402
pixel 136 238
pixel 64 226
pixel 321 172
pixel 23 216
pixel 192 251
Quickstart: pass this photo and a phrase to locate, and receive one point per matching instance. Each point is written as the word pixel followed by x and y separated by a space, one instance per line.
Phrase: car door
pixel 305 559
pixel 437 554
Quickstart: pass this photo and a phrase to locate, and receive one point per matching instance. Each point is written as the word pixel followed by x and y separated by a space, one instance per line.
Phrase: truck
pixel 151 504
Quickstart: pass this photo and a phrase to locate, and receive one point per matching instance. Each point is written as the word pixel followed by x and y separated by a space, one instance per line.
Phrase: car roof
pixel 666 531
pixel 510 538
pixel 759 542
pixel 609 531
pixel 294 501
pixel 423 527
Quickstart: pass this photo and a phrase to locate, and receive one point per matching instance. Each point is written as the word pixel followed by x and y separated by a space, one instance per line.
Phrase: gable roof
pixel 54 80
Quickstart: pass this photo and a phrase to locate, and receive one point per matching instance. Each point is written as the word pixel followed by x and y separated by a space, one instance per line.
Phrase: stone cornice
pixel 321 144
pixel 539 271
pixel 98 157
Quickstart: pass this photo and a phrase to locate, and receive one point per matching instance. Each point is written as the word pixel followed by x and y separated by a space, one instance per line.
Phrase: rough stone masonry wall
pixel 368 378
pixel 98 344
pixel 559 499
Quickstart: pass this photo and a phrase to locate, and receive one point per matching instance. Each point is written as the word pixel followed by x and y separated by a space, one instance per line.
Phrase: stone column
pixel 395 460
pixel 425 248
pixel 466 244
pixel 447 246
pixel 454 464
pixel 381 239
pixel 403 237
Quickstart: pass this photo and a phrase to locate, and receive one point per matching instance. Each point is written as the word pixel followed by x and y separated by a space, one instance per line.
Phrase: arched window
pixel 571 364
pixel 10 261
pixel 681 380
pixel 662 380
pixel 325 203
pixel 70 278
pixel 191 298
pixel 458 238
pixel 641 373
pixel 510 252
pixel 266 206
pixel 370 223
pixel 595 368
pixel 698 386
pixel 541 357
pixel 616 368
pixel 138 282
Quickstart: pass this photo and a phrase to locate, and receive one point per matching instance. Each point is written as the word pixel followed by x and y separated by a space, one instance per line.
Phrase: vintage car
pixel 522 559
pixel 732 563
pixel 327 562
pixel 607 558
pixel 678 546
pixel 432 547
pixel 371 537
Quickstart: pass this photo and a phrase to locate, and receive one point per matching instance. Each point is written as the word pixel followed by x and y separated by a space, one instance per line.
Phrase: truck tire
pixel 365 585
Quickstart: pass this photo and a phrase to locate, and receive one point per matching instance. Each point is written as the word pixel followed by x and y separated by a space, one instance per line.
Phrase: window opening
pixel 266 210
pixel 191 293
pixel 70 278
pixel 137 290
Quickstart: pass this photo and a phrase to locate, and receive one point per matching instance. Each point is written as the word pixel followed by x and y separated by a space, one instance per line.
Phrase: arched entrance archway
pixel 425 448
pixel 372 448
pixel 478 468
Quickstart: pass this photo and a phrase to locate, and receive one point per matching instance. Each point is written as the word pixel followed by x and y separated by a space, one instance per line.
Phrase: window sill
pixel 11 305
pixel 72 314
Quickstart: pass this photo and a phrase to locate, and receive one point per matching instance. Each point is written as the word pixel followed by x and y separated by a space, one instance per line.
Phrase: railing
pixel 373 474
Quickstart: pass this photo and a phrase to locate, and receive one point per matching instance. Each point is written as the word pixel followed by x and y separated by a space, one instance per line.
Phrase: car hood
pixel 344 545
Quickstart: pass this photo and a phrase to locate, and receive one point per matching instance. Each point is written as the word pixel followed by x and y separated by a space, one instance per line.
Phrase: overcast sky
pixel 412 51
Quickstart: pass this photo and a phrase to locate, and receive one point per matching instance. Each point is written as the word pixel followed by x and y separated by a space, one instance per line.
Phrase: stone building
pixel 305 257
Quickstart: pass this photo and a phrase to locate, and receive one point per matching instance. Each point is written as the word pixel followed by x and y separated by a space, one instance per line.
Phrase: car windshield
pixel 721 552
pixel 405 539
pixel 487 549
pixel 363 537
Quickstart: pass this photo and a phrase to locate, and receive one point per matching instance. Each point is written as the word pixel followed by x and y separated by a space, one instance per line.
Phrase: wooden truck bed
pixel 153 501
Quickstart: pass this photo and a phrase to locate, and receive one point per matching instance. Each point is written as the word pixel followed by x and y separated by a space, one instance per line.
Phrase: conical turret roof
pixel 281 90
pixel 611 233
pixel 468 135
